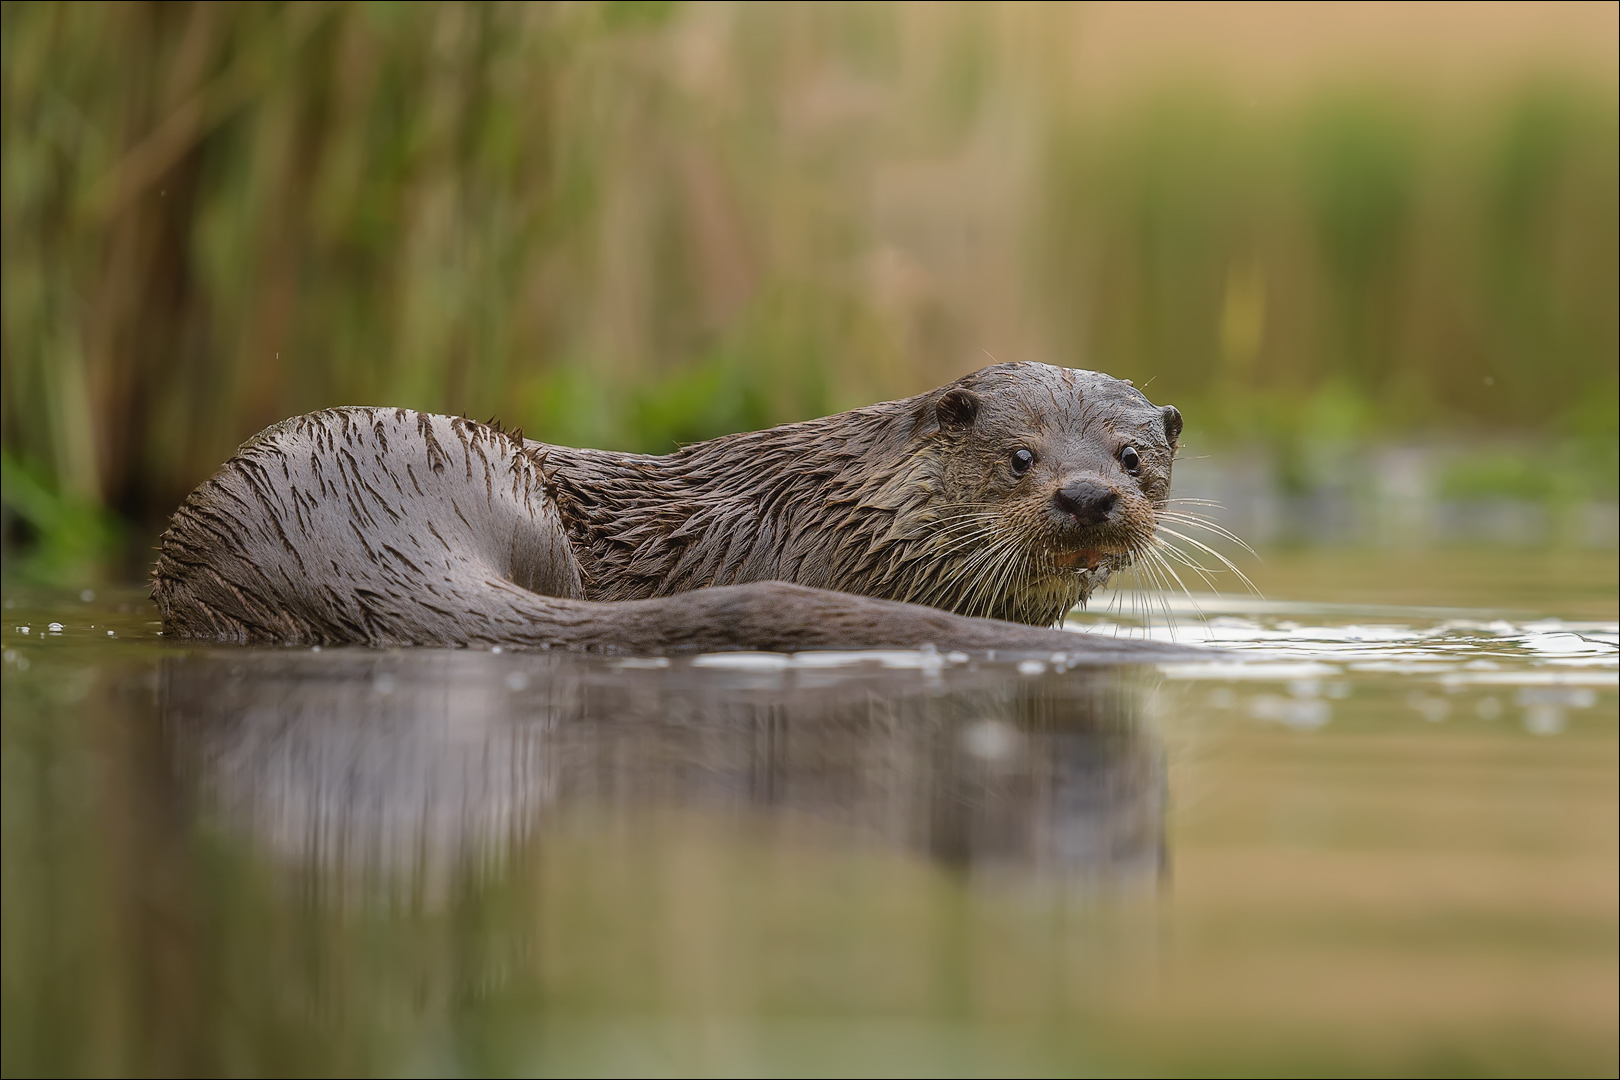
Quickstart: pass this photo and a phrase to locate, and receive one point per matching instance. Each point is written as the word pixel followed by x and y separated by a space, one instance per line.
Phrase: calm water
pixel 1359 838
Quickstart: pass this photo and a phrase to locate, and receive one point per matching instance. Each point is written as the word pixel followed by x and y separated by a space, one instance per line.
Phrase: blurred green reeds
pixel 632 224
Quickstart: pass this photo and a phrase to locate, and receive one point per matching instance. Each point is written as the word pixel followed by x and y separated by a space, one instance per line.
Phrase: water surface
pixel 1361 837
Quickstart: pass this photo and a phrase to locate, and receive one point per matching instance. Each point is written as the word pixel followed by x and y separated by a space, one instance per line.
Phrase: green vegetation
pixel 1555 472
pixel 63 537
pixel 1409 269
pixel 635 224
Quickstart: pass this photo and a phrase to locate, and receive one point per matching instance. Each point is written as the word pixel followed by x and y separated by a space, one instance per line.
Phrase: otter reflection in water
pixel 973 517
pixel 418 763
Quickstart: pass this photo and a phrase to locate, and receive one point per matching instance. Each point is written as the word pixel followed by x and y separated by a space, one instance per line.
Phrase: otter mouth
pixel 1083 558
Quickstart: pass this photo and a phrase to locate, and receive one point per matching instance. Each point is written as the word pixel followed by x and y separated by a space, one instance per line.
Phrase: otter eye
pixel 1021 461
pixel 1132 461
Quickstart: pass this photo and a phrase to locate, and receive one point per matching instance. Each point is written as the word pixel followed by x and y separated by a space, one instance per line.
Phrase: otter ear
pixel 957 407
pixel 1172 423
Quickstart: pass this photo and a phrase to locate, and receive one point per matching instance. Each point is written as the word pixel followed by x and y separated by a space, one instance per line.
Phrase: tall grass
pixel 1363 264
pixel 632 224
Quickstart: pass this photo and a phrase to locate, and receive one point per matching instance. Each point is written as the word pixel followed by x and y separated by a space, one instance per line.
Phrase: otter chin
pixel 1006 497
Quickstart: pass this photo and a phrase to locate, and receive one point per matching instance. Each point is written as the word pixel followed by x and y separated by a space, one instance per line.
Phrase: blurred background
pixel 1369 249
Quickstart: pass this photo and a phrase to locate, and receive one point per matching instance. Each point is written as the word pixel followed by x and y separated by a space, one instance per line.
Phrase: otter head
pixel 1048 481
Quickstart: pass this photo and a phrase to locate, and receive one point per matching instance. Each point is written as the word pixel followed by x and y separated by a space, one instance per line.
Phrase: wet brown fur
pixel 390 526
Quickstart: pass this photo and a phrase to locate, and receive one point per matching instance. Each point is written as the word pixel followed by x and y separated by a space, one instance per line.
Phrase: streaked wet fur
pixel 391 526
pixel 884 501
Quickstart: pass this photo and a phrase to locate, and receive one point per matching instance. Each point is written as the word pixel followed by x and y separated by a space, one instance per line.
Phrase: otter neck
pixel 800 503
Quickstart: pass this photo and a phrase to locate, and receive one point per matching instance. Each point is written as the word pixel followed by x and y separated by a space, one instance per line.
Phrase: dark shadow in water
pixel 420 762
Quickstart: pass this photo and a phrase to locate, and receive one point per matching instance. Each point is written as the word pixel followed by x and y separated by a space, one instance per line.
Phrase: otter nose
pixel 1087 501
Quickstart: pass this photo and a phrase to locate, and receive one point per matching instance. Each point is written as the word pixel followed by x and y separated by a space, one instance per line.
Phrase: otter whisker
pixel 960 522
pixel 961 536
pixel 1190 515
pixel 967 531
pixel 1228 563
pixel 979 535
pixel 926 577
pixel 1209 526
pixel 1171 570
pixel 1204 573
pixel 976 513
pixel 1143 585
pixel 1155 565
pixel 1150 585
pixel 1205 522
pixel 973 578
pixel 1116 603
pixel 1184 512
pixel 1017 572
pixel 962 533
pixel 1165 546
pixel 1186 560
pixel 1166 568
pixel 1055 619
pixel 983 556
pixel 984 595
pixel 940 576
pixel 1000 574
pixel 1010 564
pixel 1055 607
pixel 1158 556
pixel 1141 604
pixel 1148 576
pixel 959 531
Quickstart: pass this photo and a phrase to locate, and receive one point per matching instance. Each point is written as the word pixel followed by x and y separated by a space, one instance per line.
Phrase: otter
pixel 973 516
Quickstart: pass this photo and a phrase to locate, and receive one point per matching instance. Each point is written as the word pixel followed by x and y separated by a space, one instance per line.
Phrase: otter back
pixel 365 525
